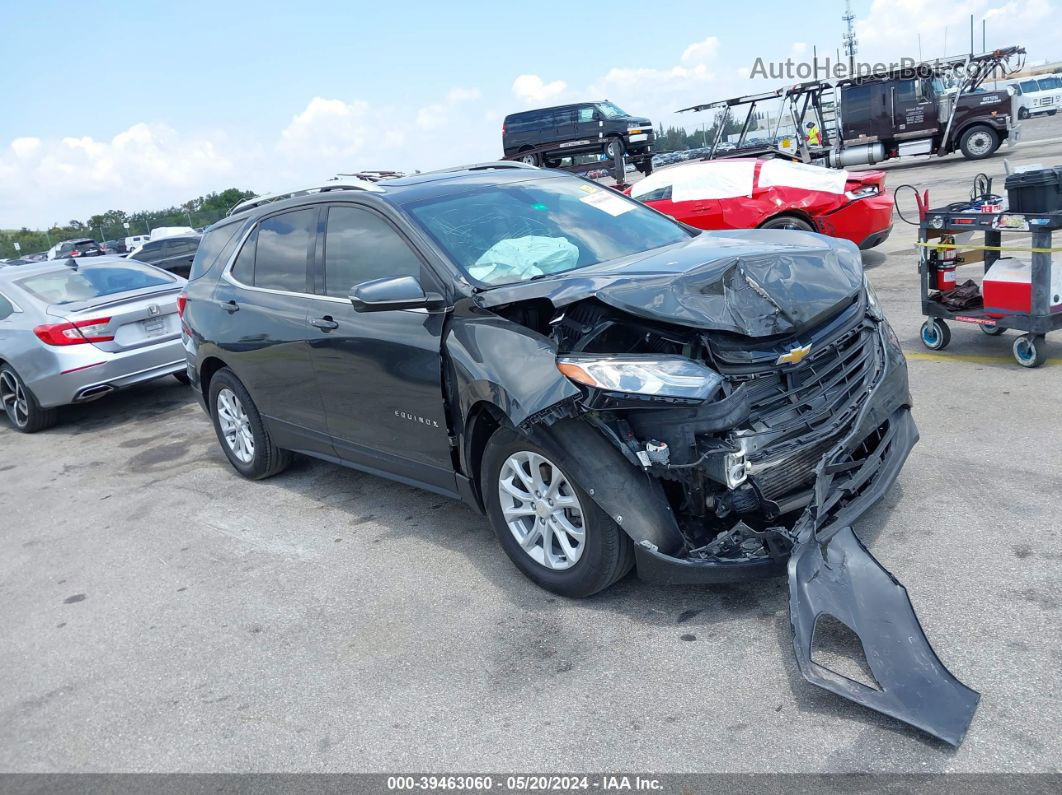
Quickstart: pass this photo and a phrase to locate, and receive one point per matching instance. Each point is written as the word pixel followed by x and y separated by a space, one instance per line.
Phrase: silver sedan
pixel 75 330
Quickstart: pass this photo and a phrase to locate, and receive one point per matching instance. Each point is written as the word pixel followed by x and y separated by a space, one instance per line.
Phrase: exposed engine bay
pixel 738 468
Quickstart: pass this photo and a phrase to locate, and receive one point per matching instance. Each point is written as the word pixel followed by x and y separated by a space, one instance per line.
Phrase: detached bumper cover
pixel 841 579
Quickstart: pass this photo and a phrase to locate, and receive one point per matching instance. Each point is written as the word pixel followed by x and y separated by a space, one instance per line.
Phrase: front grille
pixel 799 413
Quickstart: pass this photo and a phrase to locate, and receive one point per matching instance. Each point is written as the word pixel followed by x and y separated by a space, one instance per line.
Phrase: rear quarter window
pixel 216 247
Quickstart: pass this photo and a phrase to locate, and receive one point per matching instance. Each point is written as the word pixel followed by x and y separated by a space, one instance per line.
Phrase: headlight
pixel 872 300
pixel 659 376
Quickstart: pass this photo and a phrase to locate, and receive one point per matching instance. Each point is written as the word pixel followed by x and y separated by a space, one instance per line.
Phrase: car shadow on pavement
pixel 141 403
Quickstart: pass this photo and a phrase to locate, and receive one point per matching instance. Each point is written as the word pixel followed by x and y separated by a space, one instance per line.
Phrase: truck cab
pixel 910 116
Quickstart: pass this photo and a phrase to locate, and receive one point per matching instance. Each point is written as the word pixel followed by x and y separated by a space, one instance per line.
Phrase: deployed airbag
pixel 521 258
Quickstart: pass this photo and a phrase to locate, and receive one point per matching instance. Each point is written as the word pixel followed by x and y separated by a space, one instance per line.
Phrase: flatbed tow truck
pixel 896 112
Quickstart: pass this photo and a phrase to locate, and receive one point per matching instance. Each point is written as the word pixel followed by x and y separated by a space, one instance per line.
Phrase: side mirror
pixel 391 293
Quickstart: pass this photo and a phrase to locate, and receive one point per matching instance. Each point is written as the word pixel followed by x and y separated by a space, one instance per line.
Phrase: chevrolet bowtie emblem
pixel 795 355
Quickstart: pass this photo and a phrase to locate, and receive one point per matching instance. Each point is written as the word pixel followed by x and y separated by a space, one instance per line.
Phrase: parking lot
pixel 159 613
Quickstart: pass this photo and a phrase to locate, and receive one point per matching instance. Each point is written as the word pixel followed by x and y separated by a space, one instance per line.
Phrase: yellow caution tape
pixel 969 358
pixel 974 247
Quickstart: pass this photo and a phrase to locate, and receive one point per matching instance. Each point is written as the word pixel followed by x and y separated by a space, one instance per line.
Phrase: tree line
pixel 678 139
pixel 199 212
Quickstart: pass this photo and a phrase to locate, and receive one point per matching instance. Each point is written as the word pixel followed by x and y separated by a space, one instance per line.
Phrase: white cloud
pixel 532 89
pixel 891 28
pixel 329 127
pixel 437 115
pixel 145 165
pixel 799 48
pixel 25 147
pixel 701 51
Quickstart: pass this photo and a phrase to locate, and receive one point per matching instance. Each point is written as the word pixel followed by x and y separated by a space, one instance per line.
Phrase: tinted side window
pixel 659 194
pixel 905 92
pixel 152 252
pixel 1029 85
pixel 283 250
pixel 856 107
pixel 561 117
pixel 5 307
pixel 360 246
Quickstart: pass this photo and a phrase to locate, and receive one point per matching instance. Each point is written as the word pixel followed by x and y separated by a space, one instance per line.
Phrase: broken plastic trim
pixel 842 579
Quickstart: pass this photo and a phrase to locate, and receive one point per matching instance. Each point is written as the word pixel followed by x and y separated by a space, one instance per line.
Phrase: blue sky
pixel 126 105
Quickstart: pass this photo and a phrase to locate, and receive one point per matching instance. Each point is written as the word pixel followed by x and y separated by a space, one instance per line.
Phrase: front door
pixel 379 373
pixel 911 109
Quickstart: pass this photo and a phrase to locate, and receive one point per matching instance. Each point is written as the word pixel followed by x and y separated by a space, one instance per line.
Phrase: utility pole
pixel 849 37
pixel 971 36
pixel 919 47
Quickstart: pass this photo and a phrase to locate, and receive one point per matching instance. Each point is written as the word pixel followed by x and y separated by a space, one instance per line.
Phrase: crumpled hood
pixel 752 282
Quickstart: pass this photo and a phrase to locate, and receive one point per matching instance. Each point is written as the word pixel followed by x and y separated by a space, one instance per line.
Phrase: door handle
pixel 324 323
pixel 230 307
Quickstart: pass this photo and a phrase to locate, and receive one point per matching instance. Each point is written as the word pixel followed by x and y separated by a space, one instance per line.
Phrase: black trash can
pixel 1035 191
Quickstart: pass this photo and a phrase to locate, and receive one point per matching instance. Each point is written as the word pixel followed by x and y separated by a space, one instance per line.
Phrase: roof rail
pixel 491 164
pixel 347 184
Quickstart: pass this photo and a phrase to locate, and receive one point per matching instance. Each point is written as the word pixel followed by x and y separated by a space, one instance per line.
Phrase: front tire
pixel 979 142
pixel 1023 113
pixel 530 158
pixel 548 525
pixel 243 436
pixel 21 406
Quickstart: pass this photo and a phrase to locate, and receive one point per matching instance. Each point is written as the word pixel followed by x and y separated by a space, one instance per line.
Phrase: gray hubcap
pixel 13 396
pixel 542 510
pixel 235 426
pixel 979 143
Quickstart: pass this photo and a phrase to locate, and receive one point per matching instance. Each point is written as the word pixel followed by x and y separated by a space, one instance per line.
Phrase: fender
pixel 495 361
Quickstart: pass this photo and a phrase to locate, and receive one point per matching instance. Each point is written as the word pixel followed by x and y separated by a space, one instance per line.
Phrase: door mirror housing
pixel 391 293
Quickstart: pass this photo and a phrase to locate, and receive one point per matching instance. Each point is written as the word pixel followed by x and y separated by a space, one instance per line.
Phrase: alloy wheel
pixel 13 398
pixel 235 426
pixel 542 510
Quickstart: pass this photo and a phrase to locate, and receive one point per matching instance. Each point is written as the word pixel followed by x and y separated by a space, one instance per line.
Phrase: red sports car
pixel 772 193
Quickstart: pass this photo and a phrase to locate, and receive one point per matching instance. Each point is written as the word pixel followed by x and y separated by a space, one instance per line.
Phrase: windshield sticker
pixel 608 202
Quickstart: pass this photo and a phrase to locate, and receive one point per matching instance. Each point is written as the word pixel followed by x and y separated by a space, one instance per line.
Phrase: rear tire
pixel 530 158
pixel 21 406
pixel 241 433
pixel 979 142
pixel 991 330
pixel 603 555
pixel 787 222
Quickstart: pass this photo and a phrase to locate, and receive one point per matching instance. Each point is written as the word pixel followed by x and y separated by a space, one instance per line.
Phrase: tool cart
pixel 1015 293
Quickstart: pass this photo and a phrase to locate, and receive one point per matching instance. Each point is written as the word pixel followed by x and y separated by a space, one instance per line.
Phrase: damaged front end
pixel 744 455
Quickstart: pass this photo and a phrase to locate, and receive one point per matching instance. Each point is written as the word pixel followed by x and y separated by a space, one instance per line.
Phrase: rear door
pixel 379 373
pixel 262 302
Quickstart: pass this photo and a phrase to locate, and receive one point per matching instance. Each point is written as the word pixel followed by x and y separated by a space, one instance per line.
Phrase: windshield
pixel 69 286
pixel 516 232
pixel 611 111
pixel 1048 83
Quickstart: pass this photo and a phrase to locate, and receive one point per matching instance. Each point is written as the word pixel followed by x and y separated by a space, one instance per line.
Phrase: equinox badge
pixel 795 355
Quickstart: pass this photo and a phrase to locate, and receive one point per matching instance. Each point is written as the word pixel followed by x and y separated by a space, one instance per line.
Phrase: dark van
pixel 546 135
